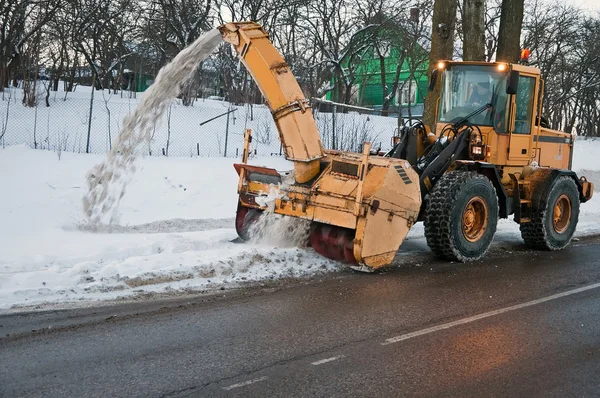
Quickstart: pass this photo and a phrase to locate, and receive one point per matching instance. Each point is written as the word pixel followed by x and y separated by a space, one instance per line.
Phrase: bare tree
pixel 30 70
pixel 57 46
pixel 341 40
pixel 473 23
pixel 387 38
pixel 418 34
pixel 442 46
pixel 565 46
pixel 493 10
pixel 185 21
pixel 21 20
pixel 99 34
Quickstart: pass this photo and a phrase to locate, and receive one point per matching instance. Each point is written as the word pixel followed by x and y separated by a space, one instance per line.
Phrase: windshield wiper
pixel 476 112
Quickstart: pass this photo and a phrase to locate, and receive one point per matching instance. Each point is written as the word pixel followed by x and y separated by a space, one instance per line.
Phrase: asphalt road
pixel 520 325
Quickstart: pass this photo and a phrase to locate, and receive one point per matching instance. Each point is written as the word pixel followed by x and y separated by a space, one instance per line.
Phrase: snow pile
pixel 175 231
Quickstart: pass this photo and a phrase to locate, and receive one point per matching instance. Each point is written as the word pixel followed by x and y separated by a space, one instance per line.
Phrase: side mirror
pixel 512 86
pixel 433 79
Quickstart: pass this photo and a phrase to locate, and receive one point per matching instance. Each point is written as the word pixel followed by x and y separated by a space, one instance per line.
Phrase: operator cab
pixel 467 88
pixel 494 103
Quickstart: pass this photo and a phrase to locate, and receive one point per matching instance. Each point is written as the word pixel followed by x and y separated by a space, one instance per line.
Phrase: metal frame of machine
pixel 458 182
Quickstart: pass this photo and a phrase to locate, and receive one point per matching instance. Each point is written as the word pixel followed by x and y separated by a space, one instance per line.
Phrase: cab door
pixel 523 104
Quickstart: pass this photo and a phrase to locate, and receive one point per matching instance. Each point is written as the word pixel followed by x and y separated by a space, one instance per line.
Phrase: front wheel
pixel 554 218
pixel 461 216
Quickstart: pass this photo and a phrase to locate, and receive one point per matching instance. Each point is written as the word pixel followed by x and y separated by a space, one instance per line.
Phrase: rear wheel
pixel 461 216
pixel 554 218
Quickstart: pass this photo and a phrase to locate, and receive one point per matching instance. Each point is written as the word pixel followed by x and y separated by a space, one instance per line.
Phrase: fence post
pixel 89 132
pixel 226 133
pixel 333 117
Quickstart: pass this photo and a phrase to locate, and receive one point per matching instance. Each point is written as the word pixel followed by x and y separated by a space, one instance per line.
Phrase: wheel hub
pixel 475 218
pixel 561 214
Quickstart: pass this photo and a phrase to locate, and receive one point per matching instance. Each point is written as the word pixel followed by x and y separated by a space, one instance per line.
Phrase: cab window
pixel 524 102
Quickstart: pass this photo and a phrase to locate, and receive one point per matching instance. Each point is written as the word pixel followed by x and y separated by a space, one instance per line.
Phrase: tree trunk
pixel 474 30
pixel 392 94
pixel 347 97
pixel 3 77
pixel 442 45
pixel 509 33
pixel 60 70
pixel 70 84
pixel 13 70
pixel 384 86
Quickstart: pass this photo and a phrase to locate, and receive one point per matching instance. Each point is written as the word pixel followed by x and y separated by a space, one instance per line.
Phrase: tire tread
pixel 438 216
pixel 534 232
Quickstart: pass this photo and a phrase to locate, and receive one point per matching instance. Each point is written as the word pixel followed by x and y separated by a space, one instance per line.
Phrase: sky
pixel 588 5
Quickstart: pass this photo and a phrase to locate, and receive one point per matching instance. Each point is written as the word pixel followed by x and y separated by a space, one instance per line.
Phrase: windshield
pixel 469 87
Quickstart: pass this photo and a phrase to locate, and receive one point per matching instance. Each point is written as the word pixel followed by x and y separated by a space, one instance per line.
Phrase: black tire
pixel 540 232
pixel 448 234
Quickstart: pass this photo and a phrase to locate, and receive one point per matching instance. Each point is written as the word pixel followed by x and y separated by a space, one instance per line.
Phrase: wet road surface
pixel 524 324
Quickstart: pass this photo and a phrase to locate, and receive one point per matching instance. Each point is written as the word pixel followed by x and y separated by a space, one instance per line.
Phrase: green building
pixel 412 83
pixel 137 82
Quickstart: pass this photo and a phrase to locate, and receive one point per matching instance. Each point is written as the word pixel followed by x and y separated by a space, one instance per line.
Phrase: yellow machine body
pixel 375 199
pixel 362 206
pixel 514 154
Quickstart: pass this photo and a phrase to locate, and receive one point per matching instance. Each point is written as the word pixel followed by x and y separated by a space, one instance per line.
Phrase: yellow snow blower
pixel 489 160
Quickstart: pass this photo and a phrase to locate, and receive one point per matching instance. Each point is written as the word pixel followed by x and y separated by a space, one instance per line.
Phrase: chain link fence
pixel 89 120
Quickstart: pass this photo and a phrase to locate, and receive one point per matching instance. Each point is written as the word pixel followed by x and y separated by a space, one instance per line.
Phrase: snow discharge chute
pixel 361 206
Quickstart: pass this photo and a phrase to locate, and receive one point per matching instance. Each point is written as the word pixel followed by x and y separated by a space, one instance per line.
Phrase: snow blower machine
pixel 494 157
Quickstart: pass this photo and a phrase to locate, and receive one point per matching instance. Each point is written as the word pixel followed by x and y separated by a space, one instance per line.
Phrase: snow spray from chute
pixel 277 230
pixel 107 181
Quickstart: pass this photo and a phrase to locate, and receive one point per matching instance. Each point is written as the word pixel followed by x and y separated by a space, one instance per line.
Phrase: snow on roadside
pixel 174 234
pixel 175 231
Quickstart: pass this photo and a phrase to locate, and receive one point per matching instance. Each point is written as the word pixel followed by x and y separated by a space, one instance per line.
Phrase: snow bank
pixel 175 229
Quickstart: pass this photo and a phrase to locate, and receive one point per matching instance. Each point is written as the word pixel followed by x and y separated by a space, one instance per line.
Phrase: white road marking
pixel 245 383
pixel 322 361
pixel 487 314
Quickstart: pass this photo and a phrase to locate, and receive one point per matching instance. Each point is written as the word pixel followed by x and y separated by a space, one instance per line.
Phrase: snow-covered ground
pixel 174 232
